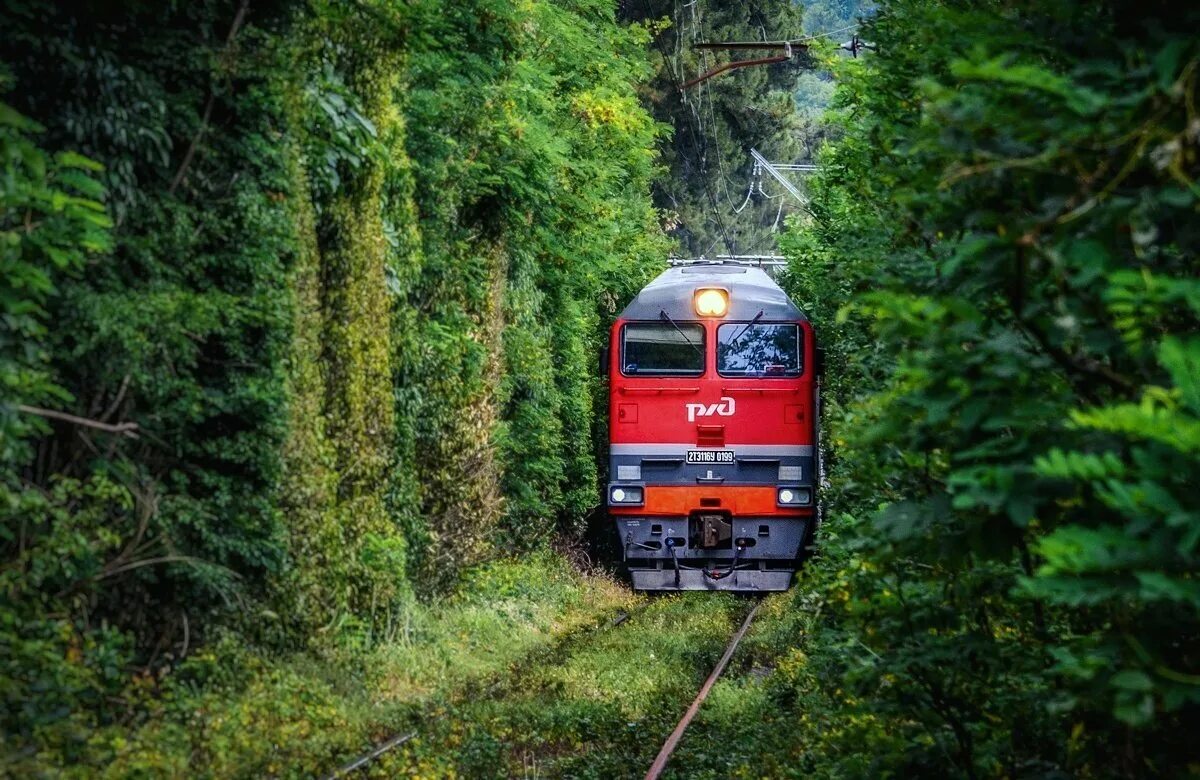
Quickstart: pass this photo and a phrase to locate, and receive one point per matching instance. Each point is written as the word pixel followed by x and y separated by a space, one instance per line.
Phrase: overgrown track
pixel 492 688
pixel 668 747
pixel 569 723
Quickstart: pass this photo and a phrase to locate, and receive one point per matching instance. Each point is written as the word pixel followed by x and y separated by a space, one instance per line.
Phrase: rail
pixel 401 738
pixel 664 754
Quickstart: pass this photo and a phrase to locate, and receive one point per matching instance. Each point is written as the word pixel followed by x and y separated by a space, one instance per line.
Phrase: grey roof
pixel 750 291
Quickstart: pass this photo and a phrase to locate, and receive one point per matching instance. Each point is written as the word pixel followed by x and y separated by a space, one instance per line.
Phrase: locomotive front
pixel 712 415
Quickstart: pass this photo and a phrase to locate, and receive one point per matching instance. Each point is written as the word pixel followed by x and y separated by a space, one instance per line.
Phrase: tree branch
pixel 126 428
pixel 145 562
pixel 208 106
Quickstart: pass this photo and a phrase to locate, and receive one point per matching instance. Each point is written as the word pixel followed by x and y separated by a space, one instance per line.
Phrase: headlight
pixel 625 495
pixel 711 302
pixel 795 496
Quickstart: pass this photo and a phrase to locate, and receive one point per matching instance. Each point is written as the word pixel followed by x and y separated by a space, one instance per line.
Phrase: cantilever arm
pixel 731 66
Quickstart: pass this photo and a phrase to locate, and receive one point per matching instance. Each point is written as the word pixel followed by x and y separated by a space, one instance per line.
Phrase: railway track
pixel 492 689
pixel 496 688
pixel 668 747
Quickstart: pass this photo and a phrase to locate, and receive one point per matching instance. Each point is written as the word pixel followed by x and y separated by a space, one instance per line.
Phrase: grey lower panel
pixel 755 470
pixel 773 538
pixel 693 579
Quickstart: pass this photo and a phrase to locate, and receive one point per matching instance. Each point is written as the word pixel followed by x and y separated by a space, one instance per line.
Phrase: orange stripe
pixel 739 500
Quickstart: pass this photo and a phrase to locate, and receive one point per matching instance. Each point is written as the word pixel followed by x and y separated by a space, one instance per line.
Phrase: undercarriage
pixel 712 551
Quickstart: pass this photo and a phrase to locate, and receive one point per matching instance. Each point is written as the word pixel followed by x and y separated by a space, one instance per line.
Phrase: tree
pixel 1007 229
pixel 718 122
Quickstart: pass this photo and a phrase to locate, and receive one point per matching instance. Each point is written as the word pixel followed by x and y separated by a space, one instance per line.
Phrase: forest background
pixel 300 305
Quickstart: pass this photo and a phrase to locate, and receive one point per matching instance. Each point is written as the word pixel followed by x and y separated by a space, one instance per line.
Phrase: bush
pixel 1006 228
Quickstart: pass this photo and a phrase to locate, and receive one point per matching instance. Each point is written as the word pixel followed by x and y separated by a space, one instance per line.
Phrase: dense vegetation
pixel 298 309
pixel 320 286
pixel 1003 260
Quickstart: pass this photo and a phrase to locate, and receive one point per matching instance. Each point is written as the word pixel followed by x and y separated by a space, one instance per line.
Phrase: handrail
pixel 674 390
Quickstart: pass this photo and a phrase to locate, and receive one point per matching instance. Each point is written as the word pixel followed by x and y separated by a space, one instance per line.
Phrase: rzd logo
pixel 725 409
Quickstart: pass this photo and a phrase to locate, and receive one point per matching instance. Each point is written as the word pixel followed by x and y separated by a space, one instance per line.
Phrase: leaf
pixel 76 160
pixel 1166 61
pixel 1158 586
pixel 1181 358
pixel 1027 76
pixel 10 117
pixel 1134 709
pixel 1131 680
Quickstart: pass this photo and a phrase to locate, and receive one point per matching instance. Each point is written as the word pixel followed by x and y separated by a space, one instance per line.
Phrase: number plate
pixel 710 456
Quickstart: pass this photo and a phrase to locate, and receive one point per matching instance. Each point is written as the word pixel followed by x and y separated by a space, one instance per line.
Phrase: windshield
pixel 663 349
pixel 759 350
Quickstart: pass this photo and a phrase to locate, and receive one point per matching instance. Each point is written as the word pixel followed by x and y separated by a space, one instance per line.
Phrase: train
pixel 714 397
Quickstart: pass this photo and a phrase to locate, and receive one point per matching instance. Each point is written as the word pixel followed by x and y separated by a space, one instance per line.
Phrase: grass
pixel 752 725
pixel 233 712
pixel 599 709
pixel 520 674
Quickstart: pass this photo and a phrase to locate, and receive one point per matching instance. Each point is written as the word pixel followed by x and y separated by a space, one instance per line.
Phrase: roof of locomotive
pixel 751 290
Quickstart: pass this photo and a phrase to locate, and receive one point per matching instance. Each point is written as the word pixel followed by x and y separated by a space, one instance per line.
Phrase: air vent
pixel 791 473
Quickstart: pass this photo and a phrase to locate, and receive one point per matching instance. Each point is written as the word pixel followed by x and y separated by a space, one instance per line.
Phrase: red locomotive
pixel 712 420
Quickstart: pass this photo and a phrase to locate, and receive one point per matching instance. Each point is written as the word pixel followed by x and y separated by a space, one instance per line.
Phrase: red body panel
pixel 654 410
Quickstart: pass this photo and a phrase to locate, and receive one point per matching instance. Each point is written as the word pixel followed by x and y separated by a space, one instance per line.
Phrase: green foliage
pixel 717 122
pixel 346 285
pixel 1006 233
pixel 59 541
pixel 231 710
pixel 52 218
pixel 544 148
pixel 583 710
pixel 822 16
pixel 57 672
pixel 829 23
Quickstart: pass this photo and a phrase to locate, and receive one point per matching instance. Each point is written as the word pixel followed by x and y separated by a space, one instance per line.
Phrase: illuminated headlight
pixel 625 495
pixel 795 496
pixel 711 302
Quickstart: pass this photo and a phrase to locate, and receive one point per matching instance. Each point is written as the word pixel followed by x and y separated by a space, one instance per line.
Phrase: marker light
pixel 629 495
pixel 711 302
pixel 794 496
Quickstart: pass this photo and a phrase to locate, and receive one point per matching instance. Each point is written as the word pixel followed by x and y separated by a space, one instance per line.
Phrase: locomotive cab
pixel 712 422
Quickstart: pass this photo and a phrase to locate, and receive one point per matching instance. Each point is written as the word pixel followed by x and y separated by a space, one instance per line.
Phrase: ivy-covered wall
pixel 321 297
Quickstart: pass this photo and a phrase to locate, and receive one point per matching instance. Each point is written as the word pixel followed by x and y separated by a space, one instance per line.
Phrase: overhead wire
pixel 766 237
pixel 704 94
pixel 696 130
pixel 704 91
pixel 749 195
pixel 827 33
pixel 722 177
pixel 696 151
